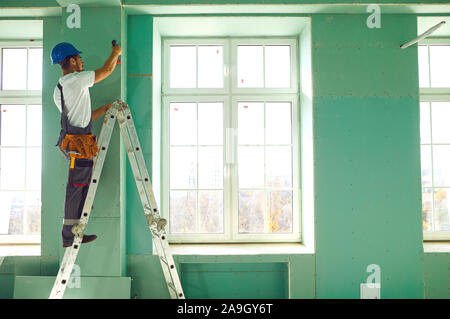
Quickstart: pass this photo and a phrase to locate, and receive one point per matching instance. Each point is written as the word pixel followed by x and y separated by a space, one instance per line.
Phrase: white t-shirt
pixel 76 96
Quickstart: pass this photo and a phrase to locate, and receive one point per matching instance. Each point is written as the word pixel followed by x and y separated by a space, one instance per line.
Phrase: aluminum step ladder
pixel 120 111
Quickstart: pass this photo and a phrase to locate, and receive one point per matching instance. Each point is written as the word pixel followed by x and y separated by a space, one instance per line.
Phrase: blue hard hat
pixel 63 50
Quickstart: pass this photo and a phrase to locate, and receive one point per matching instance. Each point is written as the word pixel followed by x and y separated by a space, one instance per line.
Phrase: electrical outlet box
pixel 370 291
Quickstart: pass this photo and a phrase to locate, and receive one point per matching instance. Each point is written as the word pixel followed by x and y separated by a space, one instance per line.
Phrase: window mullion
pixel 432 165
pixel 232 212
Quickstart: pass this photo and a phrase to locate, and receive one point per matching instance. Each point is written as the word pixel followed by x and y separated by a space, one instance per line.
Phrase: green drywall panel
pixel 139 95
pixel 90 3
pixel 140 34
pixel 235 281
pixel 49 266
pixel 6 286
pixel 367 156
pixel 27 265
pixel 83 288
pixel 147 277
pixel 302 273
pixel 192 2
pixel 105 257
pixel 101 257
pixel 352 60
pixel 436 275
pixel 29 3
pixel 54 167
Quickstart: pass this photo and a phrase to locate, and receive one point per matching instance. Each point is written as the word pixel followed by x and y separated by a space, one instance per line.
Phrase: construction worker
pixel 76 142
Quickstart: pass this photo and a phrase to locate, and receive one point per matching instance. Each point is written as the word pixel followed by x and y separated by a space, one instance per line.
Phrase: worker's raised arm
pixel 109 66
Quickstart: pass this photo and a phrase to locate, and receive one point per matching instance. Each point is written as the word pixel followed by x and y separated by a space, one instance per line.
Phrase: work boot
pixel 86 239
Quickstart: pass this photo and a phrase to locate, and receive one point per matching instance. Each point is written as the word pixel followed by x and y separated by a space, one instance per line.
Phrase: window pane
pixel 251 166
pixel 13 125
pixel 280 211
pixel 441 212
pixel 33 205
pixel 34 125
pixel 440 113
pixel 211 211
pixel 210 123
pixel 14 66
pixel 183 210
pixel 440 65
pixel 183 167
pixel 279 166
pixel 35 69
pixel 425 158
pixel 33 168
pixel 210 167
pixel 251 211
pixel 250 66
pixel 183 124
pixel 425 122
pixel 12 168
pixel 427 209
pixel 183 67
pixel 278 123
pixel 278 66
pixel 11 213
pixel 250 123
pixel 441 169
pixel 424 75
pixel 210 66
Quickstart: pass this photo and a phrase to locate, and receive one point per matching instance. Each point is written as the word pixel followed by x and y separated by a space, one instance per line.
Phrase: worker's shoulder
pixel 76 77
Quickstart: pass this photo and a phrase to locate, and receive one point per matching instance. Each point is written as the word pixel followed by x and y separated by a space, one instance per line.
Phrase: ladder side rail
pixel 99 161
pixel 142 194
pixel 161 243
pixel 140 160
pixel 71 253
pixel 132 160
pixel 167 261
pixel 176 292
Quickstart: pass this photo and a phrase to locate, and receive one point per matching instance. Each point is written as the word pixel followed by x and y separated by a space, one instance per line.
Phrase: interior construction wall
pixel 366 172
pixel 367 156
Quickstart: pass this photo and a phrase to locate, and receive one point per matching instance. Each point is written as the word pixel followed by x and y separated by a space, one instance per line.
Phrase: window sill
pixel 20 250
pixel 240 249
pixel 436 247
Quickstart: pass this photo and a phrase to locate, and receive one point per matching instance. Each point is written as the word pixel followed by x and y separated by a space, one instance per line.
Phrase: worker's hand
pixel 116 50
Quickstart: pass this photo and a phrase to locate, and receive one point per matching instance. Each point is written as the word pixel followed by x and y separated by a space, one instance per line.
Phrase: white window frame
pixel 195 91
pixel 20 97
pixel 230 95
pixel 277 41
pixel 434 95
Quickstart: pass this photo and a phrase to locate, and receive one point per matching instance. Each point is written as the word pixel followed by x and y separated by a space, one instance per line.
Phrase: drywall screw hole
pixel 94 181
pixel 63 282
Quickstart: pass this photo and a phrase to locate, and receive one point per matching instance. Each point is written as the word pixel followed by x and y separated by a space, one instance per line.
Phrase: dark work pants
pixel 76 191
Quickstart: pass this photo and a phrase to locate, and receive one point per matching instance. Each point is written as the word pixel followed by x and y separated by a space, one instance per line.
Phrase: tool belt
pixel 80 146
